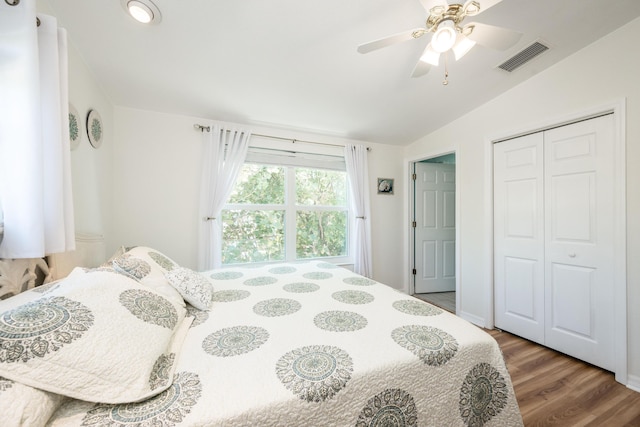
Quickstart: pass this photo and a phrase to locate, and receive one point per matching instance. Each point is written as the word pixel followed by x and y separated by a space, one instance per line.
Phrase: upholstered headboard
pixel 18 275
pixel 89 252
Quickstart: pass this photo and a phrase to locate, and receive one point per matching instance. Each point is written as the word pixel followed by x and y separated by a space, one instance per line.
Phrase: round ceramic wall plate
pixel 74 127
pixel 95 130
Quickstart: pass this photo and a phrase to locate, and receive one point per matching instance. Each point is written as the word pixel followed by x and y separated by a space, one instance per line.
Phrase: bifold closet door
pixel 519 236
pixel 579 228
pixel 553 239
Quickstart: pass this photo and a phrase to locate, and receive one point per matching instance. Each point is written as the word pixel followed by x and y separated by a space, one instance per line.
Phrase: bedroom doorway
pixel 434 230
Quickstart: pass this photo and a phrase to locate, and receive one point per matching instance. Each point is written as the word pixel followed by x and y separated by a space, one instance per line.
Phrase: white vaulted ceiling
pixel 294 64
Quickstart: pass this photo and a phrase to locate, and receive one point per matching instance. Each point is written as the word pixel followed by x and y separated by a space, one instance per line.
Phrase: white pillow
pixel 194 287
pixel 99 336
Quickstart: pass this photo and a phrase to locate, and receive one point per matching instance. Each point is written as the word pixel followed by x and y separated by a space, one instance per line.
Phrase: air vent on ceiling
pixel 524 56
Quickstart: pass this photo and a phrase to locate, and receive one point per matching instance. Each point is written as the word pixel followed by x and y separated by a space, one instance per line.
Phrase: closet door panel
pixel 520 275
pixel 578 240
pixel 573 208
pixel 519 236
pixel 572 298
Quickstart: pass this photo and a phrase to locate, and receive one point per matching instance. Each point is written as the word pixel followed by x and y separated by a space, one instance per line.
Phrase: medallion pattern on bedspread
pixel 483 395
pixel 392 407
pixel 150 307
pixel 235 340
pixel 166 409
pixel 161 370
pixel 230 295
pixel 199 316
pixel 353 297
pixel 226 275
pixel 433 346
pixel 327 265
pixel 282 270
pixel 340 321
pixel 39 327
pixel 416 308
pixel 317 275
pixel 358 281
pixel 301 287
pixel 315 373
pixel 276 307
pixel 134 267
pixel 261 281
pixel 43 289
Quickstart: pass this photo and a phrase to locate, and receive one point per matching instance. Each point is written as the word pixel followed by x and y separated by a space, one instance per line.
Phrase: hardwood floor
pixel 444 300
pixel 553 389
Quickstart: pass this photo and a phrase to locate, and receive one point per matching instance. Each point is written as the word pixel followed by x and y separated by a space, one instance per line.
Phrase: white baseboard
pixel 634 383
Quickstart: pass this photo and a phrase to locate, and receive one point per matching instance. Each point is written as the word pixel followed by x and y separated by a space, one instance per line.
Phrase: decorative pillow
pixel 98 336
pixel 116 254
pixel 146 266
pixel 193 286
pixel 143 264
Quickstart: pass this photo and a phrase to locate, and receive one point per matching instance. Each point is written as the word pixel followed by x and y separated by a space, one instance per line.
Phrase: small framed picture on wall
pixel 385 185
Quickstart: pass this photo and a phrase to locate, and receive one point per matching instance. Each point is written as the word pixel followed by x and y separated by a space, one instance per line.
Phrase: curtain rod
pixel 202 128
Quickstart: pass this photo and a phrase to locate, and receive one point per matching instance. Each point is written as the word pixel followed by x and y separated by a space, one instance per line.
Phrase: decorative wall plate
pixel 74 127
pixel 95 130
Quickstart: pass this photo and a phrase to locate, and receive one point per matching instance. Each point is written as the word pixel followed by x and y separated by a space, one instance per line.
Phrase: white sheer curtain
pixel 358 171
pixel 225 151
pixel 35 173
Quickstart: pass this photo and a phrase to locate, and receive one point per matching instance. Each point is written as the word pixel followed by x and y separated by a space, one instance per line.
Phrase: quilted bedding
pixel 300 344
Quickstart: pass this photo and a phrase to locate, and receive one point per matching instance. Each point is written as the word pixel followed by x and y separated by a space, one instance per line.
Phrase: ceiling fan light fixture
pixel 462 47
pixel 444 38
pixel 430 56
pixel 143 11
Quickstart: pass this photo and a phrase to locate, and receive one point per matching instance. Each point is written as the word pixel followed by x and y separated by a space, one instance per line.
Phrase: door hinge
pixel 414 176
pixel 414 224
pixel 414 271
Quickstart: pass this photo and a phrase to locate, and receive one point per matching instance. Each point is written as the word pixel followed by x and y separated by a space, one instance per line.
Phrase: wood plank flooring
pixel 553 389
pixel 444 300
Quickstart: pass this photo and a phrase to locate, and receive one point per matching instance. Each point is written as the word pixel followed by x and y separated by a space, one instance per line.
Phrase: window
pixel 286 213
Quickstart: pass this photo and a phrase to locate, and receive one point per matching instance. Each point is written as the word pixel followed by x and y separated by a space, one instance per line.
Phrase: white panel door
pixel 519 236
pixel 579 240
pixel 435 231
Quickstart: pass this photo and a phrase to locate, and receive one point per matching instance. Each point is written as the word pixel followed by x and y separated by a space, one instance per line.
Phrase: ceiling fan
pixel 445 23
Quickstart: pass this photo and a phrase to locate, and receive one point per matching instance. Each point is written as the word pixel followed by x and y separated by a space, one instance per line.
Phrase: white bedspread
pixel 310 344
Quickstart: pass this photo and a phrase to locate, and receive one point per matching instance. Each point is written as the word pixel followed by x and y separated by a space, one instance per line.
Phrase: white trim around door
pixel 410 231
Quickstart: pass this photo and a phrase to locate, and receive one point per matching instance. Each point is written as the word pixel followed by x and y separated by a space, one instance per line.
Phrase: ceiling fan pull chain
pixel 446 71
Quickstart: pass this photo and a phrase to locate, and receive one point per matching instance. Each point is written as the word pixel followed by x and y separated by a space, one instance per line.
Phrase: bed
pixel 142 341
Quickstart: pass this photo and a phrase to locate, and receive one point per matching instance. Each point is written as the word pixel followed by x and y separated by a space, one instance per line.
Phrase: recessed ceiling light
pixel 143 11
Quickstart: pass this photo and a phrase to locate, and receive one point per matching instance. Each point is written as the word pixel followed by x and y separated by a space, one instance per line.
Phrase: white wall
pixel 157 165
pixel 387 212
pixel 602 73
pixel 91 168
pixel 156 182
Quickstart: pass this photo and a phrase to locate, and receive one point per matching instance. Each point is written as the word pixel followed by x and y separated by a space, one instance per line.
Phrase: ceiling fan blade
pixel 490 36
pixel 420 69
pixel 430 4
pixel 389 40
pixel 486 4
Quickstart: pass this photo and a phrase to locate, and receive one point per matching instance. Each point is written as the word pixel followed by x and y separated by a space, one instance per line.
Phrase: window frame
pixel 290 208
